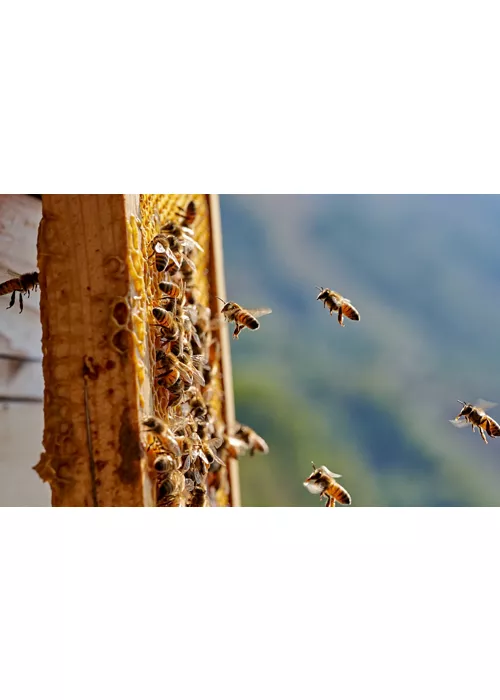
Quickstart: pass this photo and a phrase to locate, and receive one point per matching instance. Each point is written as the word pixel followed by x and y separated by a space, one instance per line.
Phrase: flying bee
pixel 20 284
pixel 250 440
pixel 243 318
pixel 162 436
pixel 338 304
pixel 476 416
pixel 322 481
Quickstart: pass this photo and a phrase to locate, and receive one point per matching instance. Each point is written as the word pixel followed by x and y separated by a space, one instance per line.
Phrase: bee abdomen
pixel 341 495
pixel 350 312
pixel 250 322
pixel 164 318
pixel 492 428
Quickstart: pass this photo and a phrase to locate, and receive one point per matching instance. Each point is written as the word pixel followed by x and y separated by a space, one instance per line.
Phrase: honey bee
pixel 163 437
pixel 322 481
pixel 165 318
pixel 336 302
pixel 202 450
pixel 179 239
pixel 243 318
pixel 172 290
pixel 196 403
pixel 172 489
pixel 173 368
pixel 164 258
pixel 475 415
pixel 21 284
pixel 188 214
pixel 250 440
pixel 176 393
pixel 199 498
pixel 164 463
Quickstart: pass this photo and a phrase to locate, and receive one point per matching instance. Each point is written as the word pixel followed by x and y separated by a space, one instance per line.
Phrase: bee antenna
pixel 462 402
pixel 320 288
pixel 222 300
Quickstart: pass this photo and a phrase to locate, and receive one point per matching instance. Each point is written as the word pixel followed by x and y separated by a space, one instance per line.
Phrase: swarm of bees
pixel 188 448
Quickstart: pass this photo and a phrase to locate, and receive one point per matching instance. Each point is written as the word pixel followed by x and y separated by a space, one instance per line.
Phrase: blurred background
pixel 372 400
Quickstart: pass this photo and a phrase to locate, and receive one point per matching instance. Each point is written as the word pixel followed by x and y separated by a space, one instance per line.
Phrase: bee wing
pixel 459 423
pixel 13 273
pixel 325 470
pixel 172 258
pixel 190 263
pixel 200 362
pixel 203 456
pixel 259 312
pixel 215 443
pixel 481 403
pixel 189 243
pixel 218 460
pixel 159 247
pixel 198 376
pixel 189 485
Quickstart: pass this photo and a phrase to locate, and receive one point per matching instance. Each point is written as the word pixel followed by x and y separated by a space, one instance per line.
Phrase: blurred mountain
pixel 372 401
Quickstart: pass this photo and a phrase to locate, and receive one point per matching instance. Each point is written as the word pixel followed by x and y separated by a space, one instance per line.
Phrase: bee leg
pixel 21 302
pixel 483 435
pixel 12 300
pixel 339 317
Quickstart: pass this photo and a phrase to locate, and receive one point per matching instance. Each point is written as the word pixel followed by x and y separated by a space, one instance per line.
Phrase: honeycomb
pixel 192 410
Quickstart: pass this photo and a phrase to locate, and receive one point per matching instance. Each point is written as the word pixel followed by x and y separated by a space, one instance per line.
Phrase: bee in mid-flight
pixel 22 284
pixel 247 440
pixel 243 318
pixel 336 302
pixel 322 481
pixel 475 415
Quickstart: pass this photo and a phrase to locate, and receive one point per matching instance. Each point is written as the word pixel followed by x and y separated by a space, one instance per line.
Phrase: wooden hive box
pixel 98 285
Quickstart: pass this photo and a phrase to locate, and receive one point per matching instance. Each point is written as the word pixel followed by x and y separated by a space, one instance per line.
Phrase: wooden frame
pixel 96 359
pixel 218 283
